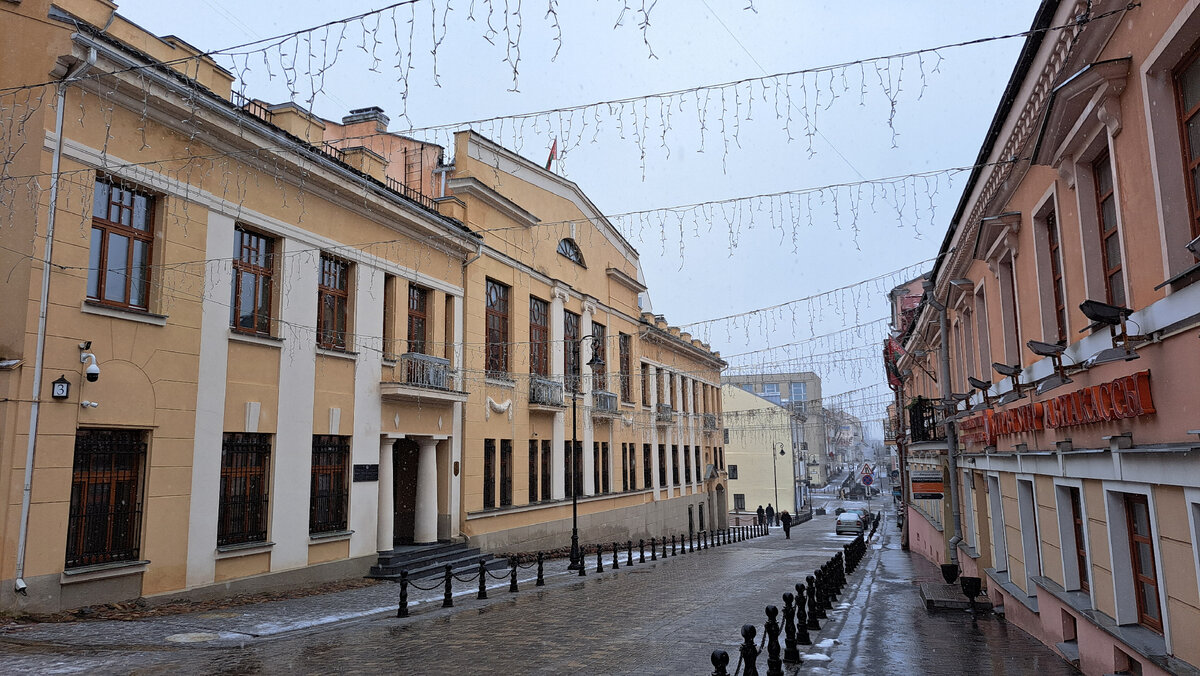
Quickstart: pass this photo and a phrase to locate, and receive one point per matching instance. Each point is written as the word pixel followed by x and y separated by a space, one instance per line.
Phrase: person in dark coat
pixel 786 520
pixel 770 515
pixel 761 515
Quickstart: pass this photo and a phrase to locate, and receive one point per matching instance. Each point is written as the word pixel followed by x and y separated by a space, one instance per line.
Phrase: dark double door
pixel 404 497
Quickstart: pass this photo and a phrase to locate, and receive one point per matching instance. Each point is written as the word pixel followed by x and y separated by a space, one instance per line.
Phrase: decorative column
pixel 670 437
pixel 425 523
pixel 558 357
pixel 653 378
pixel 385 522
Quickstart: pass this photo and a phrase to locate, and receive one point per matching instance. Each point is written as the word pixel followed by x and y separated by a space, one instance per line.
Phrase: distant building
pixel 800 393
pixel 763 464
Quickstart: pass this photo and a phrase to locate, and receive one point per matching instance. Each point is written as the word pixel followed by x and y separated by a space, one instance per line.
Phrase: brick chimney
pixel 360 115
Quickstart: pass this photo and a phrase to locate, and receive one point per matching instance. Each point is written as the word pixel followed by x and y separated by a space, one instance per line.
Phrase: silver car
pixel 849 523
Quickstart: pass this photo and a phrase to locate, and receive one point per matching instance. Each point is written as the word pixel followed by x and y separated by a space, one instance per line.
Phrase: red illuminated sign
pixel 1126 397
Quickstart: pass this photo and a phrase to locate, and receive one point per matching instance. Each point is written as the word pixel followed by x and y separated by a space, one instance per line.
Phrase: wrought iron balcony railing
pixel 710 421
pixel 925 420
pixel 545 392
pixel 663 413
pixel 423 370
pixel 604 402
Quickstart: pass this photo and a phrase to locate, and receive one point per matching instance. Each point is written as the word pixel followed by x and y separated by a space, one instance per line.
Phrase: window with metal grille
pixel 122 237
pixel 571 336
pixel 1110 240
pixel 506 472
pixel 539 337
pixel 547 459
pixel 625 347
pixel 645 385
pixel 647 467
pixel 496 320
pixel 533 470
pixel 329 498
pixel 600 348
pixel 489 473
pixel 333 303
pixel 567 247
pixel 418 319
pixel 253 269
pixel 245 477
pixel 104 524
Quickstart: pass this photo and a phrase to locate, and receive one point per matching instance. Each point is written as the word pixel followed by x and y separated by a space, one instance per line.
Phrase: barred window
pixel 122 237
pixel 547 455
pixel 506 472
pixel 333 303
pixel 104 522
pixel 245 477
pixel 253 269
pixel 489 473
pixel 330 496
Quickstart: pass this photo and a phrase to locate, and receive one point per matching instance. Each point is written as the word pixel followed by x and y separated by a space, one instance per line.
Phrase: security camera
pixel 92 372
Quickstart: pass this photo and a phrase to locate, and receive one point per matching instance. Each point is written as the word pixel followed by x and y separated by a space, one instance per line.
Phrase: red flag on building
pixel 553 154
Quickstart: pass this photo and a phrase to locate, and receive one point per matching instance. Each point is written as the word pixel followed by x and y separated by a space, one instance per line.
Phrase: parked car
pixel 849 523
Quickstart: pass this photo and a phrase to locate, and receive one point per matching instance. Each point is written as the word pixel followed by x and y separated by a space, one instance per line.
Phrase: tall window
pixel 699 477
pixel 245 476
pixel 799 391
pixel 253 267
pixel 1080 546
pixel 739 502
pixel 605 485
pixel 506 472
pixel 733 473
pixel 489 473
pixel 1110 242
pixel 571 336
pixel 418 319
pixel 533 470
pixel 625 347
pixel 624 466
pixel 596 466
pixel 573 468
pixel 1187 97
pixel 687 465
pixel 105 517
pixel 333 303
pixel 645 384
pixel 122 235
pixel 390 347
pixel 496 318
pixel 647 467
pixel 329 498
pixel 1145 574
pixel 599 346
pixel 539 337
pixel 547 454
pixel 1056 277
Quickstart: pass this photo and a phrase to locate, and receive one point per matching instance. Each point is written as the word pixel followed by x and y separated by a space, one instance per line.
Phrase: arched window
pixel 570 249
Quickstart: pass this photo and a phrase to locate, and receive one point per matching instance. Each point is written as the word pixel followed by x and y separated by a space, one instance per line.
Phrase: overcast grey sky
pixel 726 261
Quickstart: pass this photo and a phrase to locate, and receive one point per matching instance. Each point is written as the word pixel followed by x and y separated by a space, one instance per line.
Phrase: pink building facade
pixel 1068 278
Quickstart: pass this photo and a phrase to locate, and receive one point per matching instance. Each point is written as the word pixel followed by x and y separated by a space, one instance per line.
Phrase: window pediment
pixel 997 234
pixel 1088 98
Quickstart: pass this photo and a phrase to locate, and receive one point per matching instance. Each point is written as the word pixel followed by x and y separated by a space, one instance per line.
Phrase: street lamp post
pixel 576 555
pixel 775 471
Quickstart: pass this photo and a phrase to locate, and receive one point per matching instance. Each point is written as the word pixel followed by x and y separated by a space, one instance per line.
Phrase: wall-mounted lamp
pixel 1055 352
pixel 1112 316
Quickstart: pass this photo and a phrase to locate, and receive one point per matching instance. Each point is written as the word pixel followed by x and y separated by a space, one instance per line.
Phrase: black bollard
pixel 801 618
pixel 447 598
pixel 664 541
pixel 512 574
pixel 641 551
pixel 774 663
pixel 629 553
pixel 830 584
pixel 791 654
pixel 826 588
pixel 599 559
pixel 691 542
pixel 816 606
pixel 725 534
pixel 673 551
pixel 810 589
pixel 653 549
pixel 582 563
pixel 482 580
pixel 541 581
pixel 720 660
pixel 718 538
pixel 402 610
pixel 616 555
pixel 748 651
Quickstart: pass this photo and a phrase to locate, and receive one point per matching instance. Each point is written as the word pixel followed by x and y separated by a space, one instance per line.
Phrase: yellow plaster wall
pixel 242 566
pixel 334 388
pixel 1101 555
pixel 324 552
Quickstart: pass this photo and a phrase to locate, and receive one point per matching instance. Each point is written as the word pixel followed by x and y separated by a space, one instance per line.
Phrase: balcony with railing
pixel 710 422
pixel 604 403
pixel 545 394
pixel 925 421
pixel 418 377
pixel 663 413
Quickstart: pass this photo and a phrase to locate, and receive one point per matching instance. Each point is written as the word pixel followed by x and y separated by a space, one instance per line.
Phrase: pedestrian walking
pixel 761 515
pixel 786 520
pixel 771 515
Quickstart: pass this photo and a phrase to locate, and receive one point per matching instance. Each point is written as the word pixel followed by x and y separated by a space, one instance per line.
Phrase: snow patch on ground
pixel 816 657
pixel 826 643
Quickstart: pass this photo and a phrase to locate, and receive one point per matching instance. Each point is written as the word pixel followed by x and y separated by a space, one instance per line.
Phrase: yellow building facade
pixel 257 348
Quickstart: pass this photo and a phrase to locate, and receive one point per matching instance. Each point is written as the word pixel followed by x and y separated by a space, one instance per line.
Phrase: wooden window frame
pixel 98 269
pixel 1103 163
pixel 418 320
pixel 250 260
pixel 1080 526
pixel 625 352
pixel 1191 167
pixel 534 456
pixel 329 493
pixel 647 466
pixel 496 321
pixel 506 472
pixel 572 358
pixel 1058 292
pixel 243 515
pixel 600 344
pixel 539 337
pixel 1142 579
pixel 687 464
pixel 333 303
pixel 739 502
pixel 107 480
pixel 547 465
pixel 489 473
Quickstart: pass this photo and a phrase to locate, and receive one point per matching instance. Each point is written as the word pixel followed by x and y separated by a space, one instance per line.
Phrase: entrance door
pixel 721 515
pixel 404 472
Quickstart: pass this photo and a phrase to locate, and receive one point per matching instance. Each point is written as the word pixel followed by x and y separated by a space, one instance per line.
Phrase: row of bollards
pixel 802 613
pixel 679 544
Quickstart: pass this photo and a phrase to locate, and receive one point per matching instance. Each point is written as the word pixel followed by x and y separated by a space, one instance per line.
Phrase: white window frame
pixel 1124 599
pixel 1045 271
pixel 1072 577
pixel 1027 509
pixel 996 516
pixel 968 485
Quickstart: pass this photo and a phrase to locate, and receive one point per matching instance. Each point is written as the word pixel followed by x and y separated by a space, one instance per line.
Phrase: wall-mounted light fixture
pixel 1013 373
pixel 1114 317
pixel 1054 351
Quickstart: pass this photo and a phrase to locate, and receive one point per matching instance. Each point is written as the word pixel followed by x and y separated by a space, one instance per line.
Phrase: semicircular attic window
pixel 570 249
